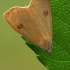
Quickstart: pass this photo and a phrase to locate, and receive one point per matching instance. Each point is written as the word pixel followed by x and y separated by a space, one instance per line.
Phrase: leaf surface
pixel 60 56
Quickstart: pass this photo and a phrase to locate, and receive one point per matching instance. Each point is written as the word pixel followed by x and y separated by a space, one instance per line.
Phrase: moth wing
pixel 23 22
pixel 43 9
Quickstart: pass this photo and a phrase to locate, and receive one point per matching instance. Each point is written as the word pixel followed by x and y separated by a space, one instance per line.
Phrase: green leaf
pixel 60 57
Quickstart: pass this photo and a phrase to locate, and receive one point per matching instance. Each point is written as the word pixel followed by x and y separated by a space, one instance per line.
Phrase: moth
pixel 34 22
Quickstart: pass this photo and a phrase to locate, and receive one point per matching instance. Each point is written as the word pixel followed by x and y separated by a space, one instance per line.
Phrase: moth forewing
pixel 43 10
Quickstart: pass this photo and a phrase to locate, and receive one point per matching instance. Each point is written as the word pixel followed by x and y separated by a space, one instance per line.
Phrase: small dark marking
pixel 45 13
pixel 20 26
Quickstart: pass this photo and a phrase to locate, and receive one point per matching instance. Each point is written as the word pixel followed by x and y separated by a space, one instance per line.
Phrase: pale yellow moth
pixel 34 22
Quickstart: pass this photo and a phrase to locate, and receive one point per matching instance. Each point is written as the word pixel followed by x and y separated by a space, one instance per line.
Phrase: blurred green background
pixel 14 54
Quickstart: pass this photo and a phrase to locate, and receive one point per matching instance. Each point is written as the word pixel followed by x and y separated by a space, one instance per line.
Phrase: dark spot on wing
pixel 20 26
pixel 45 13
